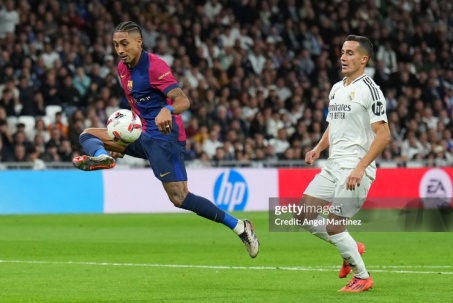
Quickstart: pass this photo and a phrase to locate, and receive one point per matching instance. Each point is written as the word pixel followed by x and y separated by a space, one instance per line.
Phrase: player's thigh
pixel 166 159
pixel 317 195
pixel 136 149
pixel 347 203
pixel 321 187
pixel 102 134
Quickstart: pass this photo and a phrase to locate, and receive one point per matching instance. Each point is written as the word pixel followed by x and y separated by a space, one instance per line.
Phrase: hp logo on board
pixel 231 191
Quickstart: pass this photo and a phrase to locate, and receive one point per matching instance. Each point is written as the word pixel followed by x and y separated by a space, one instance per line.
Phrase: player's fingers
pixel 308 158
pixel 159 126
pixel 350 184
pixel 165 127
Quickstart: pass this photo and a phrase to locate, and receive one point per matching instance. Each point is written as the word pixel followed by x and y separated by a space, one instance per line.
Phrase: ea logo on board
pixel 436 189
pixel 231 191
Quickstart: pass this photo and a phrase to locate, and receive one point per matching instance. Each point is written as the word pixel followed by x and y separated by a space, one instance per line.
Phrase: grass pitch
pixel 184 258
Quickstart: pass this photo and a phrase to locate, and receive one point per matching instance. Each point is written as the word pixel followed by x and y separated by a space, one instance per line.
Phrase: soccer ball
pixel 124 127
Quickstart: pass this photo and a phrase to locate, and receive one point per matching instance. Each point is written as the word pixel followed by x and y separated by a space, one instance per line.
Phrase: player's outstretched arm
pixel 313 154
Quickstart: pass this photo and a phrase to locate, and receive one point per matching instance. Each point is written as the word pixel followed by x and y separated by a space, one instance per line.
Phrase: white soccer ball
pixel 124 126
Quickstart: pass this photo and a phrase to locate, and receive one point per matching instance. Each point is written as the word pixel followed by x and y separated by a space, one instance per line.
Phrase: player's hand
pixel 311 156
pixel 354 178
pixel 116 154
pixel 163 121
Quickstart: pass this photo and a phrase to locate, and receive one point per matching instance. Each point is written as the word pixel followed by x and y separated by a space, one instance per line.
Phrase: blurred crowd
pixel 257 73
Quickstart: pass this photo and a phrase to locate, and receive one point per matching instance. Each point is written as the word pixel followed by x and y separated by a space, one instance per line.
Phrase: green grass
pixel 115 258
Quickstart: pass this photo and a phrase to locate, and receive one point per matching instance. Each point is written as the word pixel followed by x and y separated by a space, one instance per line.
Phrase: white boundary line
pixel 402 269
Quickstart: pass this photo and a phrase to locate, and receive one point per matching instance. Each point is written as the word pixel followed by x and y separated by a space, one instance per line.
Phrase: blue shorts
pixel 165 157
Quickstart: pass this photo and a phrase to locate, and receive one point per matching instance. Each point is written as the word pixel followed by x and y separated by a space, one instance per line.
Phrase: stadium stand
pixel 257 73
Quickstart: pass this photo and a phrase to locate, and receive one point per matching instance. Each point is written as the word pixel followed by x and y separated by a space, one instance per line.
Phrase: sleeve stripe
pixel 373 89
pixel 169 88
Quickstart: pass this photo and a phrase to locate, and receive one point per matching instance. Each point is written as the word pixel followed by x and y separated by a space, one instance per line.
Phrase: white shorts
pixel 330 185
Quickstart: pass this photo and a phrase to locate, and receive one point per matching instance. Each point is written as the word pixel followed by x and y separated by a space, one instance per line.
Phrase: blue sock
pixel 92 145
pixel 230 221
pixel 206 209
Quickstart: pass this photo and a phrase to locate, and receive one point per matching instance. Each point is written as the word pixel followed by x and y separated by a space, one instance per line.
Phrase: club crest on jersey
pixel 130 84
pixel 351 96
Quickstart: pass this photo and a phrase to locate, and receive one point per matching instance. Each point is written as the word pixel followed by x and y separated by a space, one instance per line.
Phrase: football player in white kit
pixel 357 133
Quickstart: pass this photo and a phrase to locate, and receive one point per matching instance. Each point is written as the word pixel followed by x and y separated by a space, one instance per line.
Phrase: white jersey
pixel 352 110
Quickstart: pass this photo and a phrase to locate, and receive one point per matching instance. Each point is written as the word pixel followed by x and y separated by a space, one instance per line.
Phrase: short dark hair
pixel 129 26
pixel 364 43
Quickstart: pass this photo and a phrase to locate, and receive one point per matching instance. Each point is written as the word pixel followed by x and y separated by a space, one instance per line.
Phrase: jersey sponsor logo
pixel 378 108
pixel 338 111
pixel 337 115
pixel 436 189
pixel 163 76
pixel 231 191
pixel 130 84
pixel 143 99
pixel 339 108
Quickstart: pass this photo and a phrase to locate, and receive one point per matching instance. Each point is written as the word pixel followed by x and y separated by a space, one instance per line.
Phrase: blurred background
pixel 257 73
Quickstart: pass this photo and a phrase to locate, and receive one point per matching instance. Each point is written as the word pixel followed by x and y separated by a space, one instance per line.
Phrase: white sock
pixel 347 247
pixel 318 230
pixel 239 229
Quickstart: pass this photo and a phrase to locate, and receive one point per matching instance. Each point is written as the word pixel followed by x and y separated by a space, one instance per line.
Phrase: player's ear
pixel 365 59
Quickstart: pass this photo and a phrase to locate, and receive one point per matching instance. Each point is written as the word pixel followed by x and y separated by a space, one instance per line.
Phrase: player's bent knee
pixel 177 199
pixel 302 216
pixel 336 224
pixel 177 192
pixel 309 208
pixel 176 203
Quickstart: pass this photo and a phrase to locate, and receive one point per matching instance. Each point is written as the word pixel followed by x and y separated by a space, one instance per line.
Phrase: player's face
pixel 353 60
pixel 128 46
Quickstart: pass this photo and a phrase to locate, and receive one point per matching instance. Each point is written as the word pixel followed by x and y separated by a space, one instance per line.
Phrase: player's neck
pixel 135 62
pixel 350 78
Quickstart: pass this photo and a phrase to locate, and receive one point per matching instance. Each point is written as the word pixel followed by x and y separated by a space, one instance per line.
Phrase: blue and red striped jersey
pixel 146 86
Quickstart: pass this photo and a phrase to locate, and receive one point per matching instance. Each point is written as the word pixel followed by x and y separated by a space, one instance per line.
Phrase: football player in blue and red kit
pixel 155 96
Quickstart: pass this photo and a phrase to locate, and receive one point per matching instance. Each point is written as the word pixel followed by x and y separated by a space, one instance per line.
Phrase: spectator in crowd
pixel 5 152
pixel 20 154
pixel 33 157
pixel 9 17
pixel 211 144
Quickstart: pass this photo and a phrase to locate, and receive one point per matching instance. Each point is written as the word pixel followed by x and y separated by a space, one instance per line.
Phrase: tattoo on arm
pixel 175 93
